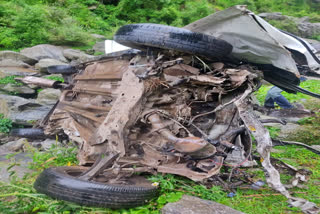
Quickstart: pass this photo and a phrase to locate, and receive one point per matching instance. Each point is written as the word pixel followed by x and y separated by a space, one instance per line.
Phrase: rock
pixel 47 144
pixel 13 63
pixel 17 89
pixel 316 147
pixel 193 205
pixel 99 47
pixel 13 146
pixel 17 71
pixel 48 96
pixel 43 64
pixel 78 55
pixel 308 29
pixel 20 169
pixel 4 55
pixel 305 27
pixel 45 51
pixel 273 16
pixel 22 111
pixel 98 37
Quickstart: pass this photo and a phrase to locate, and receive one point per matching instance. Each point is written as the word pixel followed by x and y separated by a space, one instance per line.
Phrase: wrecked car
pixel 181 105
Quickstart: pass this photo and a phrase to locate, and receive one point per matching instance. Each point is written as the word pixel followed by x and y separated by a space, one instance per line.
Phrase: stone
pixel 99 47
pixel 13 146
pixel 47 144
pixel 273 16
pixel 43 64
pixel 80 56
pixel 45 51
pixel 17 71
pixel 316 147
pixel 13 63
pixel 17 89
pixel 20 169
pixel 22 111
pixel 15 56
pixel 193 205
pixel 308 29
pixel 48 96
pixel 98 37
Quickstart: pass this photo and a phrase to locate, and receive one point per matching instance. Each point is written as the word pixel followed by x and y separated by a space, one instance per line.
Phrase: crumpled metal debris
pixel 175 114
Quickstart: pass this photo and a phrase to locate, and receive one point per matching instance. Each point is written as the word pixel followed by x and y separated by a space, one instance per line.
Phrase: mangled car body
pixel 181 106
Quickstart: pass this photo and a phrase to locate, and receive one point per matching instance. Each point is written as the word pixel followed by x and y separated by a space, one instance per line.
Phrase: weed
pixel 9 80
pixel 5 124
pixel 55 78
pixel 311 85
pixel 274 131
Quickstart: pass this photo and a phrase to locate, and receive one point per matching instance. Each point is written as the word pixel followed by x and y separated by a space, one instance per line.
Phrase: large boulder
pixel 22 111
pixel 17 71
pixel 48 96
pixel 80 56
pixel 43 64
pixel 45 51
pixel 20 168
pixel 308 29
pixel 14 56
pixel 17 89
pixel 193 205
pixel 13 63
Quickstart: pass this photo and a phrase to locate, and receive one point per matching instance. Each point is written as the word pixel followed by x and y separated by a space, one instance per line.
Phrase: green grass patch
pixel 9 80
pixel 55 78
pixel 311 85
pixel 20 197
pixel 5 124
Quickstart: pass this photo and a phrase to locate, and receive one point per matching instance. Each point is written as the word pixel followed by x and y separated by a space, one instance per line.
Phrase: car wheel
pixel 62 183
pixel 144 36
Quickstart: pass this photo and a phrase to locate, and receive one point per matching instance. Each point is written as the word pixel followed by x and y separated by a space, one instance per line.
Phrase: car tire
pixel 62 69
pixel 62 183
pixel 144 36
pixel 30 133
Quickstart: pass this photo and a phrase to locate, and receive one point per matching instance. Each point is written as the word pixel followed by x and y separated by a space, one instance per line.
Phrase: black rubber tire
pixel 30 133
pixel 57 183
pixel 62 69
pixel 142 36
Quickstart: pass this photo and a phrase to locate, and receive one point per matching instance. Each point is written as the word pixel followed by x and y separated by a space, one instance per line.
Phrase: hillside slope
pixel 70 22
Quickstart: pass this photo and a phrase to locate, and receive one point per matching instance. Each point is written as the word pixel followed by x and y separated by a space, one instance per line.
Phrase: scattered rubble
pixel 193 205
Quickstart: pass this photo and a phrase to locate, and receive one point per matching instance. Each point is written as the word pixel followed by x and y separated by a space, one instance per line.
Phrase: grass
pixel 20 197
pixel 5 124
pixel 311 85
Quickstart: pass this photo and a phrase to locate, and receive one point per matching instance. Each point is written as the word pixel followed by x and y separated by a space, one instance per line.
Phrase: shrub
pixel 5 124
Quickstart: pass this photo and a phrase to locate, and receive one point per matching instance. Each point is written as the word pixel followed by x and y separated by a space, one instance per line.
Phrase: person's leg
pixel 269 103
pixel 283 102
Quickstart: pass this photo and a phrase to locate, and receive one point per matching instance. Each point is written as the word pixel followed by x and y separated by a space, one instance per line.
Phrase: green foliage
pixel 310 131
pixel 274 131
pixel 311 85
pixel 56 156
pixel 55 78
pixel 286 25
pixel 69 22
pixel 5 124
pixel 9 80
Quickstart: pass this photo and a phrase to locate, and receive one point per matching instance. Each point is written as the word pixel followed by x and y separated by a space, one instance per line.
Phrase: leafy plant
pixel 9 80
pixel 5 124
pixel 55 78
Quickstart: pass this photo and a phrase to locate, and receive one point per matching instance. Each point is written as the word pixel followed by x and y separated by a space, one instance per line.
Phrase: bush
pixel 5 124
